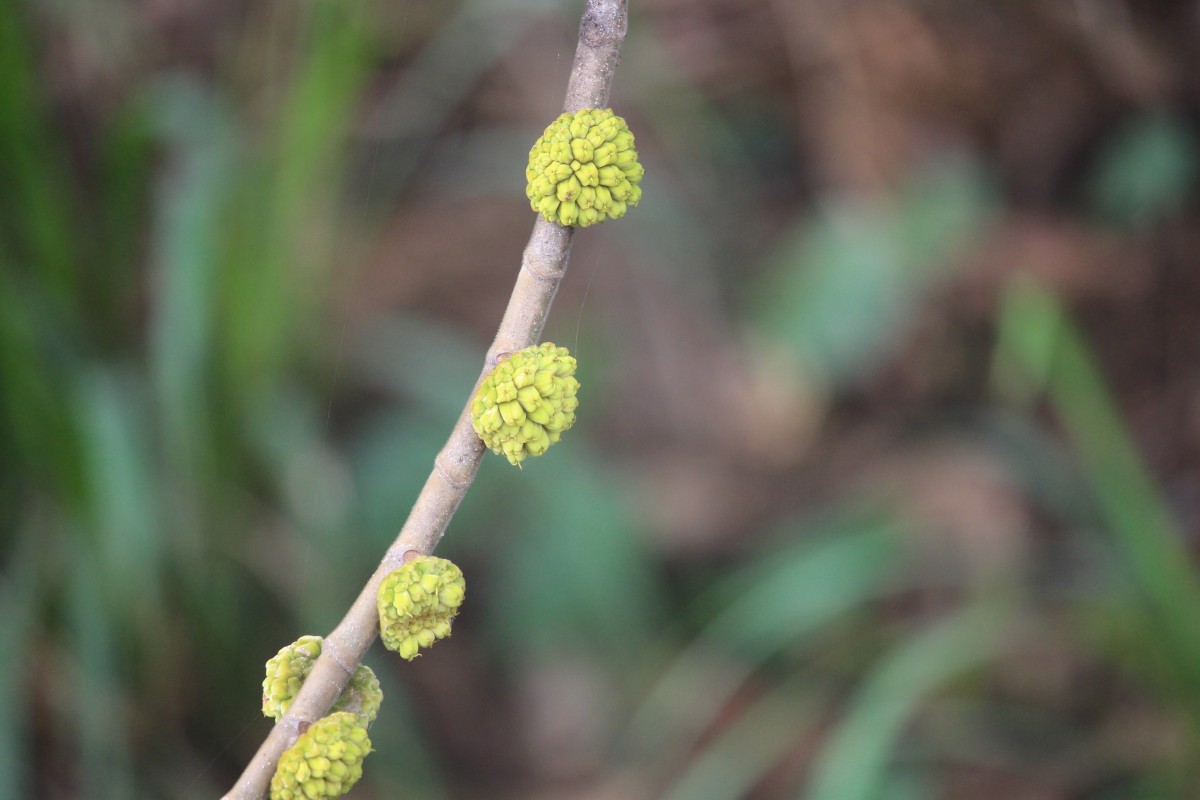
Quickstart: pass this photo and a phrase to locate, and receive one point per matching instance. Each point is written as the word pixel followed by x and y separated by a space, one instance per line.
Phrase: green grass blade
pixel 273 279
pixel 101 713
pixel 34 404
pixel 1038 343
pixel 186 239
pixel 732 764
pixel 878 260
pixel 854 763
pixel 784 599
pixel 576 576
pixel 35 202
pixel 121 496
pixel 19 592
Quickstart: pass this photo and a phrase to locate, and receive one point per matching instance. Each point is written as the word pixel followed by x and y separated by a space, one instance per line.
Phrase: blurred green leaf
pixel 279 249
pixel 191 203
pixel 783 596
pixel 35 370
pixel 122 495
pixel 854 764
pixel 35 205
pixel 1039 343
pixel 782 599
pixel 841 290
pixel 1040 463
pixel 573 570
pixel 1146 172
pixel 110 270
pixel 737 759
pixel 99 703
pixel 19 598
pixel 313 557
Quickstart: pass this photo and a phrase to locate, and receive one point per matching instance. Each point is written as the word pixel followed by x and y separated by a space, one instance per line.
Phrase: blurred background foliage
pixel 885 483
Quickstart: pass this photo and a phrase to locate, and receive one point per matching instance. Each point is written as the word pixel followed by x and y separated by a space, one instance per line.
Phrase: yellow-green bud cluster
pixel 584 169
pixel 290 666
pixel 525 403
pixel 362 695
pixel 326 761
pixel 417 603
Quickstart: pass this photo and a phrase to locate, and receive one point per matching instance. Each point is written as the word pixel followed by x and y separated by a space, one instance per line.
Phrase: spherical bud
pixel 526 402
pixel 325 761
pixel 417 604
pixel 578 155
pixel 290 666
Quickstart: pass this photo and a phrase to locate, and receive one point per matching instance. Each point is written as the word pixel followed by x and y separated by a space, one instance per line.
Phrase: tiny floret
pixel 418 602
pixel 290 666
pixel 326 761
pixel 526 403
pixel 584 169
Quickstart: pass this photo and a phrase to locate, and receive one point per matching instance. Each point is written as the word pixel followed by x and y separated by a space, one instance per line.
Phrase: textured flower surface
pixel 417 603
pixel 584 169
pixel 525 403
pixel 290 666
pixel 326 761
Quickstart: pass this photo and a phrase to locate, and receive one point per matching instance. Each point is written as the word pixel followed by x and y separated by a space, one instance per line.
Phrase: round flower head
pixel 326 761
pixel 290 666
pixel 417 603
pixel 525 403
pixel 584 169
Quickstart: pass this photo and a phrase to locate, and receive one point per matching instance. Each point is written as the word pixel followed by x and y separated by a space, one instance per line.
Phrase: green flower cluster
pixel 326 761
pixel 584 169
pixel 417 604
pixel 525 403
pixel 290 666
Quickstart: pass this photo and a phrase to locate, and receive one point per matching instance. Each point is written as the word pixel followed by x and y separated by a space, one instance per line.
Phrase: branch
pixel 601 32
